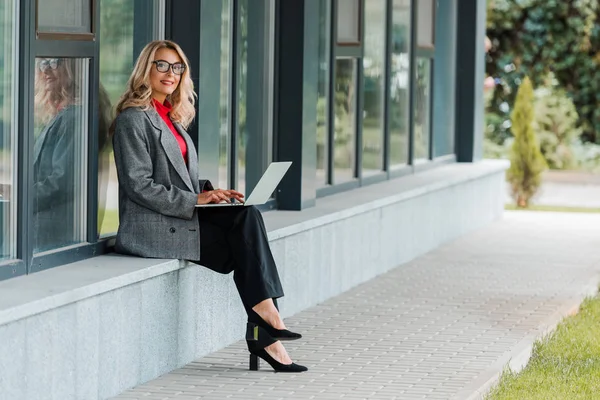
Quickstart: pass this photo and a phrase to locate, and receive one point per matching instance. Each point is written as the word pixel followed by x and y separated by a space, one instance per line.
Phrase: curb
pixel 518 357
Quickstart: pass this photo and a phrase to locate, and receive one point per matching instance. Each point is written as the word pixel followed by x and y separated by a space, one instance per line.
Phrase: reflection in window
pixel 8 119
pixel 374 77
pixel 224 112
pixel 422 117
pixel 345 119
pixel 242 136
pixel 59 162
pixel 399 83
pixel 255 95
pixel 323 91
pixel 116 63
pixel 214 93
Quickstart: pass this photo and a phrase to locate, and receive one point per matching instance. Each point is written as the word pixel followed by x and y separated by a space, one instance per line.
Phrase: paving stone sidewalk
pixel 438 327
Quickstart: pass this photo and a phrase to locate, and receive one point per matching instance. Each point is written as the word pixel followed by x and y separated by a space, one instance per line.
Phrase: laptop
pixel 264 188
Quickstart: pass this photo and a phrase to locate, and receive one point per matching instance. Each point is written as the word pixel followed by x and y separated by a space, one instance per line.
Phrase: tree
pixel 556 127
pixel 526 160
pixel 535 37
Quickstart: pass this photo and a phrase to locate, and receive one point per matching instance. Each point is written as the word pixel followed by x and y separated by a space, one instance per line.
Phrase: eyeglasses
pixel 163 66
pixel 51 63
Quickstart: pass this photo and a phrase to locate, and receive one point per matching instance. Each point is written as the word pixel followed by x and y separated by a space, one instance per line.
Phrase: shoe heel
pixel 254 362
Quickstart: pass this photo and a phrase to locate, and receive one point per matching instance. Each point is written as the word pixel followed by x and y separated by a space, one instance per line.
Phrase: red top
pixel 163 110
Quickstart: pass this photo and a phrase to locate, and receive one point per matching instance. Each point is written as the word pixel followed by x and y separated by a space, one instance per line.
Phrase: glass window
pixel 116 62
pixel 348 22
pixel 374 78
pixel 345 119
pixel 124 31
pixel 422 117
pixel 59 152
pixel 323 91
pixel 214 94
pixel 8 117
pixel 64 16
pixel 255 91
pixel 399 83
pixel 425 22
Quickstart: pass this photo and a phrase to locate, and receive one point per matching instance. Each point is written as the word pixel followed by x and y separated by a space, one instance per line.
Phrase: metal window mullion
pixel 235 36
pixel 93 148
pixel 412 81
pixel 386 85
pixel 25 140
pixel 330 134
pixel 431 111
pixel 358 116
pixel 359 101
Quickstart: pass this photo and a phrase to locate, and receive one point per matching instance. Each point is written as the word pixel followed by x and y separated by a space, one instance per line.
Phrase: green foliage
pixel 527 162
pixel 556 127
pixel 535 37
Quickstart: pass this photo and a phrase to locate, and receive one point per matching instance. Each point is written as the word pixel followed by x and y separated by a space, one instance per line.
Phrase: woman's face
pixel 165 83
pixel 52 74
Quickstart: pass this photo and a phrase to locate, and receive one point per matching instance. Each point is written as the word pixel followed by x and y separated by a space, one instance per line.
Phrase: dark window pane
pixel 345 119
pixel 65 16
pixel 348 21
pixel 425 22
pixel 214 94
pixel 255 94
pixel 59 152
pixel 422 117
pixel 374 76
pixel 8 131
pixel 399 83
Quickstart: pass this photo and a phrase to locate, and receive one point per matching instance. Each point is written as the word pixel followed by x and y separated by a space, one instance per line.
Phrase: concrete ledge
pixel 90 330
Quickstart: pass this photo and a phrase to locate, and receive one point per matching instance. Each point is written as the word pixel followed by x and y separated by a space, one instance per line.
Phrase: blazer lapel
pixel 192 157
pixel 171 147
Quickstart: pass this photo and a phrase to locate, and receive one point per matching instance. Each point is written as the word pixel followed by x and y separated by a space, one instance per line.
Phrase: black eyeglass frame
pixel 171 66
pixel 48 63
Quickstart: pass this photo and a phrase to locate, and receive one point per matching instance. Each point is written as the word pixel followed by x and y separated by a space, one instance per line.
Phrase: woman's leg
pixel 235 239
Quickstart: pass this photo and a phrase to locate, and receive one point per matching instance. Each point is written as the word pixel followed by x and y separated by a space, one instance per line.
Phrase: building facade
pixel 378 104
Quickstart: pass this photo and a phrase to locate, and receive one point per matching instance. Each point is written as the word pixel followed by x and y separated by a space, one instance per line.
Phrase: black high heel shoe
pixel 257 339
pixel 279 334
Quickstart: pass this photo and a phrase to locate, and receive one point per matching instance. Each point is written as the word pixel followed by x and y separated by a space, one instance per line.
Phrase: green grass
pixel 553 208
pixel 563 365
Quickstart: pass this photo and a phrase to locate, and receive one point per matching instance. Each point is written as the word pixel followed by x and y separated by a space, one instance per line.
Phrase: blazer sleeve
pixel 134 170
pixel 204 185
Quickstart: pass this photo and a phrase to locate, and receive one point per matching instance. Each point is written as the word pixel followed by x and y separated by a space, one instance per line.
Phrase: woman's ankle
pixel 267 311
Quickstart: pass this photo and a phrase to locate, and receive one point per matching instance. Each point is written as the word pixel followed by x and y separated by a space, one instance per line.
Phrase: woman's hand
pixel 219 196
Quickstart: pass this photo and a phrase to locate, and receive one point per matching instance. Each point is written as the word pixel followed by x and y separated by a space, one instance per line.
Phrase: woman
pixel 58 120
pixel 159 189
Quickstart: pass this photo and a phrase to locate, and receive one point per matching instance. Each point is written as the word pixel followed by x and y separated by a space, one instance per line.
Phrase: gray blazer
pixel 157 191
pixel 53 180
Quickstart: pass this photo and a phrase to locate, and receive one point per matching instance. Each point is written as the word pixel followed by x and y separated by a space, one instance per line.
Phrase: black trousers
pixel 235 239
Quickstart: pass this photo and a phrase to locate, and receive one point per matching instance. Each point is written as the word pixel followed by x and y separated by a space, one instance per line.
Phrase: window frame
pixel 60 36
pixel 32 45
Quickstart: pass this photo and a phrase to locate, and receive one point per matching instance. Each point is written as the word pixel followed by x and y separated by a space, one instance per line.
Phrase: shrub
pixel 556 126
pixel 527 162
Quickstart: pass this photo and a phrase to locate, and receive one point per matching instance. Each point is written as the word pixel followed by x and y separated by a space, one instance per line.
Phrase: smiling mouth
pixel 167 83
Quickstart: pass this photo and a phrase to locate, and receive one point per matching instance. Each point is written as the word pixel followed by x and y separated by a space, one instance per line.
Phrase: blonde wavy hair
pixel 139 90
pixel 51 98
